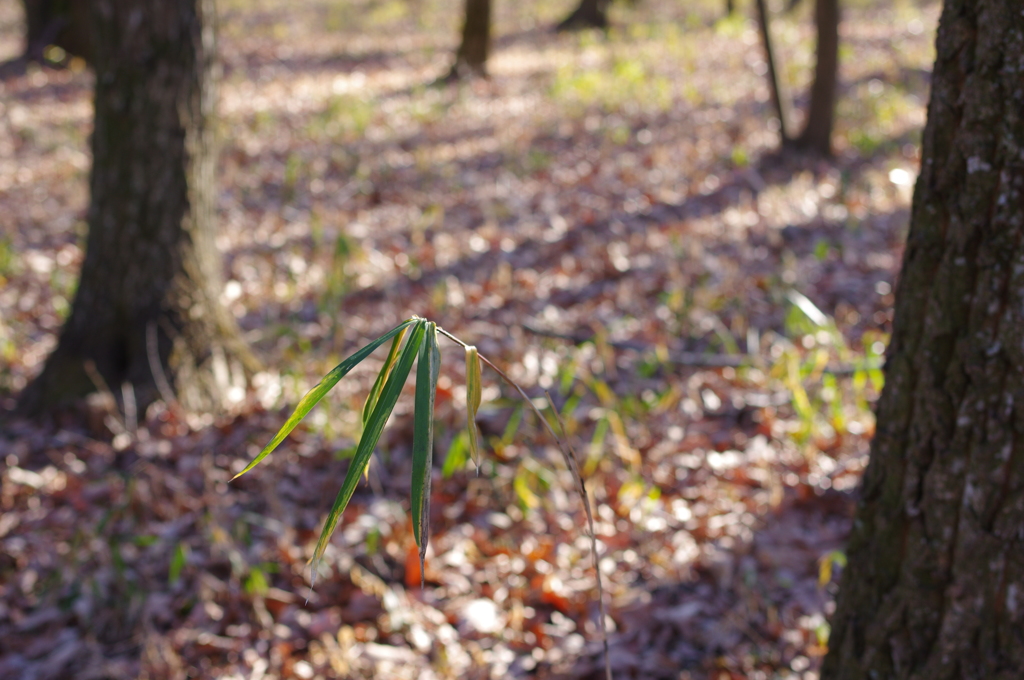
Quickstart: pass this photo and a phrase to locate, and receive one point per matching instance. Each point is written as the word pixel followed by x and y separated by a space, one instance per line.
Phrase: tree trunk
pixel 147 309
pixel 817 133
pixel 589 14
pixel 780 100
pixel 471 57
pixel 64 23
pixel 934 588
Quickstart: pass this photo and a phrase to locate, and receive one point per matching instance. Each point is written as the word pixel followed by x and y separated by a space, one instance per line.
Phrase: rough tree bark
pixel 147 309
pixel 588 14
pixel 934 589
pixel 471 57
pixel 817 133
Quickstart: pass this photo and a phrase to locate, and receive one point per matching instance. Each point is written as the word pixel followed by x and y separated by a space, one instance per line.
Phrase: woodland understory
pixel 607 218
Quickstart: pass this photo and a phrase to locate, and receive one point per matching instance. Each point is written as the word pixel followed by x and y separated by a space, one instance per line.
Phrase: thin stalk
pixel 571 462
pixel 780 99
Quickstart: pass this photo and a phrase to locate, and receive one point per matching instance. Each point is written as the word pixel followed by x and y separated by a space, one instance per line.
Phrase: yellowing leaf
pixel 473 396
pixel 523 490
pixel 826 564
pixel 389 363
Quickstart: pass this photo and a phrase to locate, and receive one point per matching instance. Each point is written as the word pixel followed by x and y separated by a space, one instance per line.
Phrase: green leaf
pixel 826 565
pixel 389 364
pixel 473 396
pixel 423 438
pixel 371 433
pixel 256 582
pixel 323 387
pixel 178 561
pixel 597 442
pixel 457 456
pixel 810 310
pixel 521 485
pixel 512 426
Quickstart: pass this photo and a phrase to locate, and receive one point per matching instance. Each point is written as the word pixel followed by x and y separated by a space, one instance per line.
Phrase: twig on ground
pixel 692 358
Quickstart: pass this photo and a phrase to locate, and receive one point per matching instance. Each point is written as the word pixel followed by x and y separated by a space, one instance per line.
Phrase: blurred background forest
pixel 608 217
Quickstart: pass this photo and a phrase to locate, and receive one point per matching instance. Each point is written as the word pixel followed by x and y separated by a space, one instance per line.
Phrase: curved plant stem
pixel 571 462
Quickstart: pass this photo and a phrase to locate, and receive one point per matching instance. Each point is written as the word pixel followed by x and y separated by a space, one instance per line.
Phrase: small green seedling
pixel 415 340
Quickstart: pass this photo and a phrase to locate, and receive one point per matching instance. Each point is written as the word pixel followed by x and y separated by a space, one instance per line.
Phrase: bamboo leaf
pixel 473 395
pixel 423 438
pixel 389 364
pixel 371 434
pixel 314 396
pixel 803 303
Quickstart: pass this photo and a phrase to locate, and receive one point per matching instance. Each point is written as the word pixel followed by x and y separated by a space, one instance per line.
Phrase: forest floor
pixel 607 219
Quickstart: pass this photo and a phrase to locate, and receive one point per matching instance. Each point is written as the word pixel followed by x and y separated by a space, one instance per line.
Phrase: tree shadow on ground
pixel 744 584
pixel 741 597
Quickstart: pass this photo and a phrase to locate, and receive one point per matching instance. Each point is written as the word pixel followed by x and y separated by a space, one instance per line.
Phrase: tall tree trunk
pixel 64 23
pixel 780 98
pixel 934 588
pixel 147 308
pixel 471 57
pixel 588 14
pixel 817 133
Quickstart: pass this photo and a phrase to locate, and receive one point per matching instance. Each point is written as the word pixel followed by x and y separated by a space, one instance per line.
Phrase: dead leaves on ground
pixel 656 224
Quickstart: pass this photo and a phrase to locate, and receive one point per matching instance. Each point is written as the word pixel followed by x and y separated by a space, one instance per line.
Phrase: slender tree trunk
pixel 817 133
pixel 780 99
pixel 64 23
pixel 147 308
pixel 588 14
pixel 934 588
pixel 471 57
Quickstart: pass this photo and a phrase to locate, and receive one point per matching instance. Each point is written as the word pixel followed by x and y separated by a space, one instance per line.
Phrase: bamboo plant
pixel 415 340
